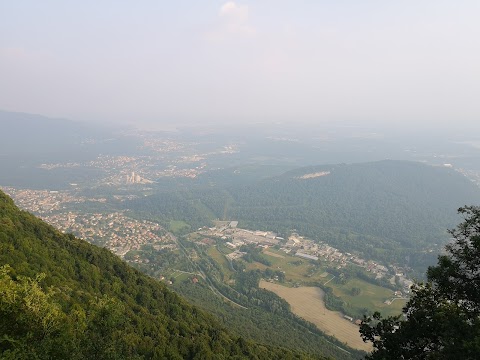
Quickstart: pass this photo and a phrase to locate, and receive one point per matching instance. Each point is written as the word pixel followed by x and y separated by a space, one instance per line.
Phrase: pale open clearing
pixel 314 175
pixel 307 302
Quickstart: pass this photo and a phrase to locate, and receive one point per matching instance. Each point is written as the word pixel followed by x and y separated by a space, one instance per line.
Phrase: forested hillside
pixel 406 203
pixel 387 210
pixel 61 297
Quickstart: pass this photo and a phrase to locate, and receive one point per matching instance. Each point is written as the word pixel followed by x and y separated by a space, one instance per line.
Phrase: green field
pixel 371 297
pixel 177 275
pixel 300 271
pixel 177 226
pixel 296 269
pixel 222 261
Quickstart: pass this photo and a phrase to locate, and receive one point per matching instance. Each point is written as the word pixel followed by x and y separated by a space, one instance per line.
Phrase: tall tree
pixel 442 318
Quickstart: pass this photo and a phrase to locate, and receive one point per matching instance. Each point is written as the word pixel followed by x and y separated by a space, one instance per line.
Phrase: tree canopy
pixel 442 318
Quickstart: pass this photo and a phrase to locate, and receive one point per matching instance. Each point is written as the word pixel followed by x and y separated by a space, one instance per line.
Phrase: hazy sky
pixel 242 61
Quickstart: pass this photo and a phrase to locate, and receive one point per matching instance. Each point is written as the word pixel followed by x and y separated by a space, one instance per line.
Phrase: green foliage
pixel 91 305
pixel 356 291
pixel 30 321
pixel 254 253
pixel 442 319
pixel 333 302
pixel 178 211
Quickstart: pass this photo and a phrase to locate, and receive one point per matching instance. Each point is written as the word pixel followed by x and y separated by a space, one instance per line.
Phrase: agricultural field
pixel 296 269
pixel 177 275
pixel 306 299
pixel 307 302
pixel 371 297
pixel 300 271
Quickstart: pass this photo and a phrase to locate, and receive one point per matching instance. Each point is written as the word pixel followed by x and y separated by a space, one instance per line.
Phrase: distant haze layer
pixel 158 63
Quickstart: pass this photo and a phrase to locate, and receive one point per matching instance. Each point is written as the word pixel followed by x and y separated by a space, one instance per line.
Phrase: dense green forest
pixel 61 297
pixel 387 210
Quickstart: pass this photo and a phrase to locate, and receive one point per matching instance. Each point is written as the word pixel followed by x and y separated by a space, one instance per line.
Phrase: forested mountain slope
pixel 406 202
pixel 386 209
pixel 91 305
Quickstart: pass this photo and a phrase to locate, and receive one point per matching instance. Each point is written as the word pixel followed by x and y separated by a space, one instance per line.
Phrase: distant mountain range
pixel 42 134
pixel 29 140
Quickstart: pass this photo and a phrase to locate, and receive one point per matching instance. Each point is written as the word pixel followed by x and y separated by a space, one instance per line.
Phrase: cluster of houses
pixel 44 202
pixel 115 231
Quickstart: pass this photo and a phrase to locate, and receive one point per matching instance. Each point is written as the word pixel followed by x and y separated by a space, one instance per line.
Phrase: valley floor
pixel 307 302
